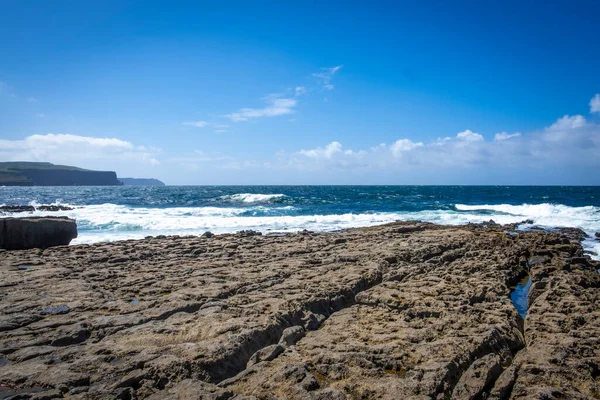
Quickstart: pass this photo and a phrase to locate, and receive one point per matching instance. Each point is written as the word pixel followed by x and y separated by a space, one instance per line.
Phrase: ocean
pixel 132 212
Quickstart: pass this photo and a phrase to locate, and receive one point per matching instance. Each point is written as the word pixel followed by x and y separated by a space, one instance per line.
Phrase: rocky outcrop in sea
pixel 20 209
pixel 406 310
pixel 36 232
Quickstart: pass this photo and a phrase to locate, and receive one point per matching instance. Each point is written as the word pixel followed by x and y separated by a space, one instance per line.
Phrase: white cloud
pixel 300 90
pixel 403 145
pixel 595 104
pixel 275 106
pixel 571 141
pixel 82 151
pixel 567 122
pixel 326 152
pixel 505 136
pixel 324 77
pixel 469 136
pixel 32 99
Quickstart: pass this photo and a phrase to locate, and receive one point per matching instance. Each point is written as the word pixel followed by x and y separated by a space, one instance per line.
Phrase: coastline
pixel 118 213
pixel 412 308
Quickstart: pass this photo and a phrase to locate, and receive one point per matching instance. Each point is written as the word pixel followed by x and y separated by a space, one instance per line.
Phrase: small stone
pixel 265 354
pixel 291 335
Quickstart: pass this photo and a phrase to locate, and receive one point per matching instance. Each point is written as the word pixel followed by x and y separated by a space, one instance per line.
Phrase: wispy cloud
pixel 324 77
pixel 277 104
pixel 32 100
pixel 505 136
pixel 274 106
pixel 205 124
pixel 300 90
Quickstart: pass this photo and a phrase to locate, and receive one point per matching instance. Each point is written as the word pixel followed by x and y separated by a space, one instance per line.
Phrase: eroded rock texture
pixel 407 310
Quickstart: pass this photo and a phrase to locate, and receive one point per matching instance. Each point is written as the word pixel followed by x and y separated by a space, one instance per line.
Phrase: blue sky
pixel 225 92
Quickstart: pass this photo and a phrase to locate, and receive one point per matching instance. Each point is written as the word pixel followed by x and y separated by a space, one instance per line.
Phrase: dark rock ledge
pixel 36 232
pixel 407 310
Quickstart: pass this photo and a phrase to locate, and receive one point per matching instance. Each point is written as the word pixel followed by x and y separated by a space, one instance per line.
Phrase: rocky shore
pixel 406 310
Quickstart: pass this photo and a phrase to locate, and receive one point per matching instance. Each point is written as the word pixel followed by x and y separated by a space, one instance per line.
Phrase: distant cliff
pixel 47 174
pixel 140 182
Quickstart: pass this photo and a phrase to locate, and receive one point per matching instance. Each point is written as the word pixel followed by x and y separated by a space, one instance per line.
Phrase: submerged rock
pixel 54 208
pixel 405 310
pixel 20 209
pixel 16 209
pixel 36 232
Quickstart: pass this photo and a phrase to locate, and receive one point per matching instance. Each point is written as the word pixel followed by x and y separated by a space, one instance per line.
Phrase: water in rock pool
pixel 125 212
pixel 519 296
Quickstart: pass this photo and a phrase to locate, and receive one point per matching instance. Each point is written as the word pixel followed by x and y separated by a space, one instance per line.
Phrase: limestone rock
pixel 36 232
pixel 405 310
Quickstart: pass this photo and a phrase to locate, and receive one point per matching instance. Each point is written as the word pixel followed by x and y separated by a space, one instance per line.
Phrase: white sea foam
pixel 107 222
pixel 253 197
pixel 547 215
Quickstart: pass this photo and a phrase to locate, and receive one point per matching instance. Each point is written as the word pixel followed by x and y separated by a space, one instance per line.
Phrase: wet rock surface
pixel 36 232
pixel 408 310
pixel 16 209
pixel 54 208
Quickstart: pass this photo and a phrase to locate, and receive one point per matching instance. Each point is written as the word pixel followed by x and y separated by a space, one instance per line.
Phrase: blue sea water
pixel 112 213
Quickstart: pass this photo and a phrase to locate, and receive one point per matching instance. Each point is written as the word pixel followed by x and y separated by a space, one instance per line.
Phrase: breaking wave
pixel 252 197
pixel 545 214
pixel 106 214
